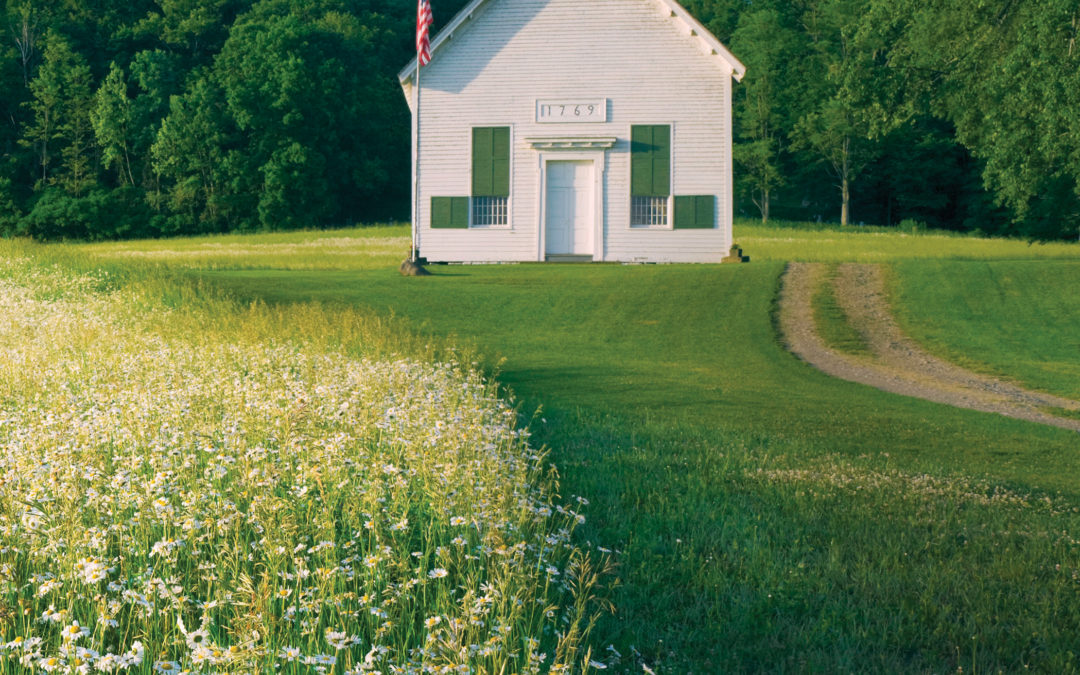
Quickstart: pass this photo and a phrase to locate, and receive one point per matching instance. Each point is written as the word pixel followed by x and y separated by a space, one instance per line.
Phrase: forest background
pixel 146 118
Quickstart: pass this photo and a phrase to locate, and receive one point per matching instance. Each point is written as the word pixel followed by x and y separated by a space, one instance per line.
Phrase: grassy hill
pixel 766 517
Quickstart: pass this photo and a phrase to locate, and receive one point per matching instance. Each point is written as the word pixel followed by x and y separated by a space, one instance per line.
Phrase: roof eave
pixel 445 34
pixel 738 70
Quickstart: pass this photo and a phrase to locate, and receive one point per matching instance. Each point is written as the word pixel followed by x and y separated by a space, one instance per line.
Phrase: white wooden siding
pixel 632 52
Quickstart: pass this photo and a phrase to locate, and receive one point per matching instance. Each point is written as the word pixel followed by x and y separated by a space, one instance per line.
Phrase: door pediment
pixel 571 142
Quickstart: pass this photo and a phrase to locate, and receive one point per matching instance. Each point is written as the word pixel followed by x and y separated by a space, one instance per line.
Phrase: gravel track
pixel 897 364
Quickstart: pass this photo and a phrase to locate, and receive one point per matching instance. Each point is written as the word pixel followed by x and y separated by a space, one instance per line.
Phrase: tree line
pixel 125 118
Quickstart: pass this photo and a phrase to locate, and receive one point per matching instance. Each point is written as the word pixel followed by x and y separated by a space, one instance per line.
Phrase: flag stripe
pixel 423 40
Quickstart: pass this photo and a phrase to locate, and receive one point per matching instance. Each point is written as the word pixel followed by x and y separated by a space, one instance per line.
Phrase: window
pixel 650 174
pixel 490 176
pixel 489 211
pixel 648 211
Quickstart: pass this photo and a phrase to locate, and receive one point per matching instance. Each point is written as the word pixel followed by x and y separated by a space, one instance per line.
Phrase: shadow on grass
pixel 736 555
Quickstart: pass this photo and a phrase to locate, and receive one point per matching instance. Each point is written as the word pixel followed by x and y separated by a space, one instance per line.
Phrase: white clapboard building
pixel 574 130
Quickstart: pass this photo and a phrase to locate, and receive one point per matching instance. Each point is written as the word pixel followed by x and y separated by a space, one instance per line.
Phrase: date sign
pixel 549 112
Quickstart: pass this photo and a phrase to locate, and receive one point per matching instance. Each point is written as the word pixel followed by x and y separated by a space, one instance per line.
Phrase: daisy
pixel 203 654
pixel 167 667
pixel 134 656
pixel 289 653
pixel 197 638
pixel 74 632
pixel 338 639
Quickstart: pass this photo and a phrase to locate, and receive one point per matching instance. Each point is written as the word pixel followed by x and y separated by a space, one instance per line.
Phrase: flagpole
pixel 423 55
pixel 416 163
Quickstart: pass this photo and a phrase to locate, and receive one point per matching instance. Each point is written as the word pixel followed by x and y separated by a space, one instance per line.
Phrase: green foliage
pixel 190 150
pixel 767 47
pixel 835 129
pixel 268 114
pixel 300 92
pixel 111 118
pixel 48 97
pixel 1008 77
pixel 97 214
pixel 9 209
pixel 196 28
pixel 61 129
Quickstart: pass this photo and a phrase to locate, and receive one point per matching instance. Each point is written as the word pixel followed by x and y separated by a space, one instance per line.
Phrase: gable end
pixel 711 46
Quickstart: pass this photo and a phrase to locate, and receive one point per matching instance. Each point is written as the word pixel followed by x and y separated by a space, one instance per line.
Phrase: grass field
pixel 1019 319
pixel 189 485
pixel 766 517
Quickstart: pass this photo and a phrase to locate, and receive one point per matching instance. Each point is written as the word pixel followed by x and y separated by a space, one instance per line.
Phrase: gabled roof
pixel 692 26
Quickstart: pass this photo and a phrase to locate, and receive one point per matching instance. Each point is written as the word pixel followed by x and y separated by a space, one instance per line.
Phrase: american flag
pixel 423 26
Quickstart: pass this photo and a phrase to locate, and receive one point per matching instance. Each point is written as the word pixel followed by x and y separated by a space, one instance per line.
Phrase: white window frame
pixel 473 224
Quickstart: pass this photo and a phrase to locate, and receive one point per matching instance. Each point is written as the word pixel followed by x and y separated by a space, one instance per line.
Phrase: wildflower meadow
pixel 174 503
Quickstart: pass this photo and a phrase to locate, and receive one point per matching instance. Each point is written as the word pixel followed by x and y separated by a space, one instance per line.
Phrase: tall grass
pixel 187 484
pixel 813 242
pixel 355 248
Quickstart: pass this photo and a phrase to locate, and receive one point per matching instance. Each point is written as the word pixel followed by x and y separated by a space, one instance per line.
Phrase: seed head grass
pixel 189 485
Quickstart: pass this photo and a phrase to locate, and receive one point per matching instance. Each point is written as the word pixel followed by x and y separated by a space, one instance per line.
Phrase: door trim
pixel 599 162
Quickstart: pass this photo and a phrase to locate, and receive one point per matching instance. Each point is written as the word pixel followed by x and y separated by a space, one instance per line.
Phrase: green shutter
pixel 449 212
pixel 684 212
pixel 491 162
pixel 661 161
pixel 650 160
pixel 696 211
pixel 705 209
pixel 500 162
pixel 641 179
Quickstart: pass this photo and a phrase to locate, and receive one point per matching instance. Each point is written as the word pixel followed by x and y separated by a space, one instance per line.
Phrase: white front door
pixel 569 208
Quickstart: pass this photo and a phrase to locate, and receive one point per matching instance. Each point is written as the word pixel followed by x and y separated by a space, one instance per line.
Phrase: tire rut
pixel 898 364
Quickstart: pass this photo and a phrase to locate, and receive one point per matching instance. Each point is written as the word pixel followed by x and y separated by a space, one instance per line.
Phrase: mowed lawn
pixel 1019 319
pixel 767 517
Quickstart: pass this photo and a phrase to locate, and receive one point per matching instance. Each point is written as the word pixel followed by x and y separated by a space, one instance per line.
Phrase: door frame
pixel 598 158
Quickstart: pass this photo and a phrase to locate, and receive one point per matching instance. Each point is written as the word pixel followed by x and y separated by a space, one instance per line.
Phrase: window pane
pixel 648 211
pixel 489 211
